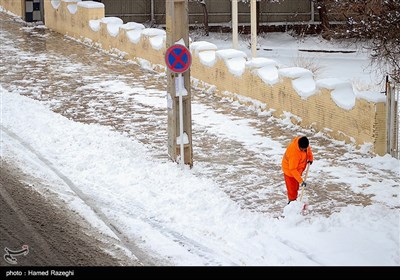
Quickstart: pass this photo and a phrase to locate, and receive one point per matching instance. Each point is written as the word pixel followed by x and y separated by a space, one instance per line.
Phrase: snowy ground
pixel 94 127
pixel 327 59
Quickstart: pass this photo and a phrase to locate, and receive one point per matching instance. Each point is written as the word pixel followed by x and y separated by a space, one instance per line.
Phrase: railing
pixel 219 12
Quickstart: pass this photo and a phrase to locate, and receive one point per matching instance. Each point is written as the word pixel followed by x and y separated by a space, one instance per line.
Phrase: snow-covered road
pixel 236 147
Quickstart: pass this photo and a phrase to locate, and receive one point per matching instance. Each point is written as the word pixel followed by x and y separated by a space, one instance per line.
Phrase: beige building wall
pixel 364 123
pixel 16 7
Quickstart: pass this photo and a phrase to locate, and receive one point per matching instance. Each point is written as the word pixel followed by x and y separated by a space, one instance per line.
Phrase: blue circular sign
pixel 178 58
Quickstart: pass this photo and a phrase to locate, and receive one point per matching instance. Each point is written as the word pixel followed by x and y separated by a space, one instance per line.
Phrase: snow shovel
pixel 304 208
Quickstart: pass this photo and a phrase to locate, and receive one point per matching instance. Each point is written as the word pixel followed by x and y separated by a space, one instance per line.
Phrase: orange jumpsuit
pixel 294 162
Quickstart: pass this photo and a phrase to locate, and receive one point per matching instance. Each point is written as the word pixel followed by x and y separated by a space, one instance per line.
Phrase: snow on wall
pixel 94 24
pixel 90 4
pixel 72 8
pixel 231 70
pixel 342 92
pixel 235 60
pixel 113 24
pixel 55 3
pixel 156 37
pixel 134 35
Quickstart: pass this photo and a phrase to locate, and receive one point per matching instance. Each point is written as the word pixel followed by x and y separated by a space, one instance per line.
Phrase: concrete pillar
pixel 235 39
pixel 253 16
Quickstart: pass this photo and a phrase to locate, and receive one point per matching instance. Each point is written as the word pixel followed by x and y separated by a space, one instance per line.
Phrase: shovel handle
pixel 305 178
pixel 307 169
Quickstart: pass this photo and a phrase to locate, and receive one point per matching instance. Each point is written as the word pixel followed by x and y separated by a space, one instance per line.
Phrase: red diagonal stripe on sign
pixel 178 58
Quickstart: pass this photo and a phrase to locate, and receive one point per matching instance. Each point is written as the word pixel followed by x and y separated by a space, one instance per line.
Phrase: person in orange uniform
pixel 294 162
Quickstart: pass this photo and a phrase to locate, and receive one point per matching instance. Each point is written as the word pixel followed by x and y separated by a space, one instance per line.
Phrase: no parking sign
pixel 178 58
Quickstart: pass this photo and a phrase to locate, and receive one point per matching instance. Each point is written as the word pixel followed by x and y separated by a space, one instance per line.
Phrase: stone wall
pixel 318 107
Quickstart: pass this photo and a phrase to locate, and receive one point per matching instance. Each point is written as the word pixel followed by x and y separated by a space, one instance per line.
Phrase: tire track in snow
pixel 192 246
pixel 87 200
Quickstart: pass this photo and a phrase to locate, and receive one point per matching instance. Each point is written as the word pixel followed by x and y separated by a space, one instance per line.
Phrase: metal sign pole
pixel 178 60
pixel 388 116
pixel 179 81
pixel 397 110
